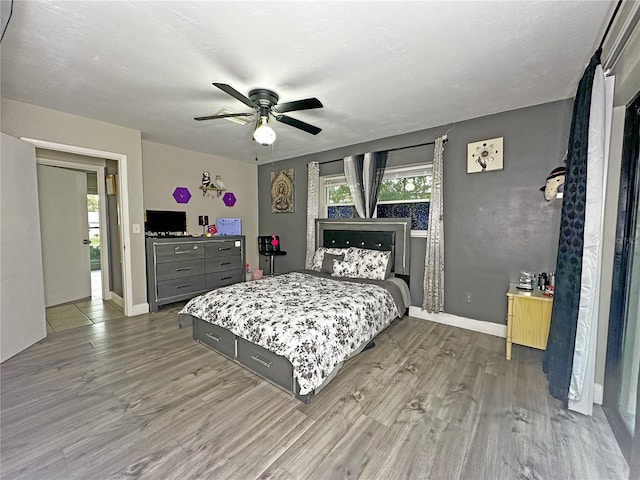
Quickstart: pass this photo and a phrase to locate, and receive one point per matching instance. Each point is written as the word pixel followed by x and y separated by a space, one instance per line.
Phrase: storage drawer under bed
pixel 274 368
pixel 218 338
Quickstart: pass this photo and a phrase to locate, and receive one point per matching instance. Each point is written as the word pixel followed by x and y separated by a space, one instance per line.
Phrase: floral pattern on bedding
pixel 314 322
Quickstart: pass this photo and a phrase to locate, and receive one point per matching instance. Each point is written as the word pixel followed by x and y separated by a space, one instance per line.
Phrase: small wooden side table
pixel 528 318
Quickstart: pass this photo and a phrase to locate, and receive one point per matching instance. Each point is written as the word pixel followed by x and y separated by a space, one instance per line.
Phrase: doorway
pixel 75 229
pixel 121 207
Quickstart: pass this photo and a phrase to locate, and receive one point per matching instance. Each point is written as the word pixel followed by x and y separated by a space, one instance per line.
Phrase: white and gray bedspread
pixel 314 320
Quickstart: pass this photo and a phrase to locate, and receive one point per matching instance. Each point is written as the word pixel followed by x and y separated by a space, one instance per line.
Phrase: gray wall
pixel 496 223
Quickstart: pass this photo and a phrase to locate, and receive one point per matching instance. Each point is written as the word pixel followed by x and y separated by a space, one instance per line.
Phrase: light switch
pixel 135 228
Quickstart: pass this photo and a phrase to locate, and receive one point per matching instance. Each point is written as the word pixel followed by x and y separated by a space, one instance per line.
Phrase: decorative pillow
pixel 371 263
pixel 327 262
pixel 344 269
pixel 319 256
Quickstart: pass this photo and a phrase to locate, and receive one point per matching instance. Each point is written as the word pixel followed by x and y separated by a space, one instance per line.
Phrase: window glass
pixel 404 192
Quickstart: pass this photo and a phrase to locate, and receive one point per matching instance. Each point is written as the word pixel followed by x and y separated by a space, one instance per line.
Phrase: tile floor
pixel 85 312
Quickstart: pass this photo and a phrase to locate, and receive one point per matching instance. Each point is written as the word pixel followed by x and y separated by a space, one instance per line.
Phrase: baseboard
pixel 117 299
pixel 598 394
pixel 139 309
pixel 481 326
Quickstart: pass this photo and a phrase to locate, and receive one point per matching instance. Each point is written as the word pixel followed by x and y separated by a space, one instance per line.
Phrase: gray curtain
pixel 313 192
pixel 433 300
pixel 364 176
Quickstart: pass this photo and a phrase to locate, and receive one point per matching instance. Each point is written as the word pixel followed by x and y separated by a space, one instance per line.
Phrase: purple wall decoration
pixel 182 195
pixel 229 199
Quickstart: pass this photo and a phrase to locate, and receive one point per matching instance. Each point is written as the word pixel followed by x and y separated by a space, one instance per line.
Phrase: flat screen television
pixel 165 221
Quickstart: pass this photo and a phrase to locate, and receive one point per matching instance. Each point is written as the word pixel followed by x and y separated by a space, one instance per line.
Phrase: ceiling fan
pixel 265 103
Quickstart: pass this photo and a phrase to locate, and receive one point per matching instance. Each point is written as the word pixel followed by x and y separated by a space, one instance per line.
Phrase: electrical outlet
pixel 468 297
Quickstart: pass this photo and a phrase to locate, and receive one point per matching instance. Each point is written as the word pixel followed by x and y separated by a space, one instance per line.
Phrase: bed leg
pixel 369 346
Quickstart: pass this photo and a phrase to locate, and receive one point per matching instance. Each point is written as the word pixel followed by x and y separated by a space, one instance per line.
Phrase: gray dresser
pixel 183 267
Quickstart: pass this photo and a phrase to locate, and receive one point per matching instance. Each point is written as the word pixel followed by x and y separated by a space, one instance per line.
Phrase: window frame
pixel 413 170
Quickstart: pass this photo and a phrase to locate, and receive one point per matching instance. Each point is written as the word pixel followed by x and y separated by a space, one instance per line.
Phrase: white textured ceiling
pixel 380 68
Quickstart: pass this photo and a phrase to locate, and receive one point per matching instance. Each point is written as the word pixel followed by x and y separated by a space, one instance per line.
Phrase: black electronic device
pixel 165 222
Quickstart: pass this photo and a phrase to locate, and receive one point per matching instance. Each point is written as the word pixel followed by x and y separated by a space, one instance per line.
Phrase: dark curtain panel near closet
pixel 558 358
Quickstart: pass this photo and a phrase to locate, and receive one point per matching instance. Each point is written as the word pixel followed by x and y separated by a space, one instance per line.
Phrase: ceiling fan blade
pixel 225 115
pixel 236 94
pixel 306 104
pixel 313 130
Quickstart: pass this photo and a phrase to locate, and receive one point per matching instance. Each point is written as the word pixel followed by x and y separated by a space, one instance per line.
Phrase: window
pixel 405 192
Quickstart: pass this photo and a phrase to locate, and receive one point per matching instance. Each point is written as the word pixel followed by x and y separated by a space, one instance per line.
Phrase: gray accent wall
pixel 495 223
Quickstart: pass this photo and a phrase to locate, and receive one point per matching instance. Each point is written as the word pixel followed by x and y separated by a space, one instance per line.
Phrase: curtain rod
pixel 613 17
pixel 444 140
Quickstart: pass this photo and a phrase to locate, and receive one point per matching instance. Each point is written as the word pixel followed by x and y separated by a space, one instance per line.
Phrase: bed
pixel 296 330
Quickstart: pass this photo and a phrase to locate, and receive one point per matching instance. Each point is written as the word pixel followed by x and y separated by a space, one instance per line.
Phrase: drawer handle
pixel 183 269
pixel 225 248
pixel 255 358
pixel 226 263
pixel 226 278
pixel 212 337
pixel 195 247
pixel 180 253
pixel 184 286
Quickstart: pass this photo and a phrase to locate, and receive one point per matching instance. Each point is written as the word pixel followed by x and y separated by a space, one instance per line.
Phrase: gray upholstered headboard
pixel 392 234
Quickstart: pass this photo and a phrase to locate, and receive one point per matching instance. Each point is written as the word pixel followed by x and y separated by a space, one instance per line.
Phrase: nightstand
pixel 528 318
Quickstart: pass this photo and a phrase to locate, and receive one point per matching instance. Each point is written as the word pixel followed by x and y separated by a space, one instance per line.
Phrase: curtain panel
pixel 313 205
pixel 364 176
pixel 433 300
pixel 583 372
pixel 558 358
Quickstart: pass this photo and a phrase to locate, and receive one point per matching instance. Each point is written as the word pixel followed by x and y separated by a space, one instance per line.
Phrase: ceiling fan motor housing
pixel 264 97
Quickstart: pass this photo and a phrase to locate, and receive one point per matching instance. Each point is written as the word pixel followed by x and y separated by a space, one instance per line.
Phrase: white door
pixel 22 319
pixel 62 195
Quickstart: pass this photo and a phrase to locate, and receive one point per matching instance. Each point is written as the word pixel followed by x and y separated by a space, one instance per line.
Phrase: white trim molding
pixel 123 198
pixel 598 393
pixel 490 328
pixel 139 309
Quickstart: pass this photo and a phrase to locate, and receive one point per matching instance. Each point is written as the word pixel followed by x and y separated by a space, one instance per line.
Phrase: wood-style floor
pixel 138 398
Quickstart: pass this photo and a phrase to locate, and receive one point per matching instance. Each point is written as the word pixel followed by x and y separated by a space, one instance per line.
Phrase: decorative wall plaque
pixel 485 155
pixel 282 191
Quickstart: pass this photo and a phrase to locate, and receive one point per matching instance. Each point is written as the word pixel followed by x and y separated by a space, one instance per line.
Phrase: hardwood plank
pixel 138 398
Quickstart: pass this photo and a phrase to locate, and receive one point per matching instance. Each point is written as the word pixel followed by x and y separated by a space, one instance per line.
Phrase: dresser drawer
pixel 169 270
pixel 221 279
pixel 221 264
pixel 181 286
pixel 218 338
pixel 271 366
pixel 223 248
pixel 178 251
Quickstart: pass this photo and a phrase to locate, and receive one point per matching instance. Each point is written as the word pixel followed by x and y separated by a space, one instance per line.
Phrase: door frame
pixel 102 202
pixel 629 188
pixel 123 207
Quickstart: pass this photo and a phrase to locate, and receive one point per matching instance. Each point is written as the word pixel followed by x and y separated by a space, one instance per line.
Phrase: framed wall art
pixel 485 155
pixel 282 191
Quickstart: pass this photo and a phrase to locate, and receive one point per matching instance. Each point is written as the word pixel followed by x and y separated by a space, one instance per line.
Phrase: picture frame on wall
pixel 282 191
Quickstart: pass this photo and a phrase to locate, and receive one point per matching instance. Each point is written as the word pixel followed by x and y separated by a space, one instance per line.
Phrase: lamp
pixel 264 134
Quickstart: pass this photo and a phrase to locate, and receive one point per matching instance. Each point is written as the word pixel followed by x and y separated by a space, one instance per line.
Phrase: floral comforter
pixel 314 321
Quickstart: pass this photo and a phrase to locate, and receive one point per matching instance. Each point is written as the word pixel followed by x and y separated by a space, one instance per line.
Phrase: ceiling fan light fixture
pixel 264 134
